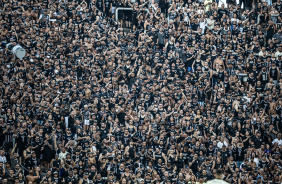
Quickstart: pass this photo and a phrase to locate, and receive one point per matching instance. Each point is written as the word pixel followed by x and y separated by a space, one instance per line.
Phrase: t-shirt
pixel 217 181
pixel 209 21
pixel 3 159
pixel 277 141
pixel 208 6
pixel 221 12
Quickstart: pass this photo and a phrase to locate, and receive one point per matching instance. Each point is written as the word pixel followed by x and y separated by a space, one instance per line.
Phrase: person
pixel 218 179
pixel 85 179
pixel 207 4
pixel 30 177
pixel 141 91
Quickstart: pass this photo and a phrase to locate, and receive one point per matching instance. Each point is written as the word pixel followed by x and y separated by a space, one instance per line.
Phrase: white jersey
pixel 217 181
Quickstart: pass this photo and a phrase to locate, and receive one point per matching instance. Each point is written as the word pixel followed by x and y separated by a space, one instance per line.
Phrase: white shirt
pixel 220 144
pixel 234 20
pixel 217 181
pixel 247 99
pixel 203 26
pixel 278 54
pixel 277 141
pixel 3 159
pixel 209 21
pixel 94 149
pixel 63 155
pixel 207 6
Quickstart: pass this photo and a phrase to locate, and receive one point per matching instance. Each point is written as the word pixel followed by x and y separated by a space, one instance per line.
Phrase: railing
pixel 119 9
pixel 273 17
pixel 244 76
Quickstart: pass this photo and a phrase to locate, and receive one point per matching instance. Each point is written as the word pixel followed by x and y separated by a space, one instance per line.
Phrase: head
pixel 219 174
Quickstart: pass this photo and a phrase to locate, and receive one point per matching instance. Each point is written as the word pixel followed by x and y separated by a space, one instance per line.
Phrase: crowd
pixel 166 93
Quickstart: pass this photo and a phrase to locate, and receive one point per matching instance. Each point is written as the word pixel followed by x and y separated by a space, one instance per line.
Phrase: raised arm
pixel 13 150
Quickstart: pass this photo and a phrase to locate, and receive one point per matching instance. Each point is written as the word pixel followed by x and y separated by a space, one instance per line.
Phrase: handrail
pixel 117 9
pixel 124 8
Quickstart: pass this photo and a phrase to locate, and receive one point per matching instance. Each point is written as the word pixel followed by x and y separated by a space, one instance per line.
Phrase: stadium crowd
pixel 166 93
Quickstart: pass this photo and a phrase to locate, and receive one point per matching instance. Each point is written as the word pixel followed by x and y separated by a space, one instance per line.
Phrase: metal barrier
pixel 168 20
pixel 273 17
pixel 244 76
pixel 118 9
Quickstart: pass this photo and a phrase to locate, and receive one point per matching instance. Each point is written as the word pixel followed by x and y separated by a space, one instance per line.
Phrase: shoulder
pixel 217 181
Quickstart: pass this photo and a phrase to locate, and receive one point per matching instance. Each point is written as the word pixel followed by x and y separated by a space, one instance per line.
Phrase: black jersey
pixel 107 4
pixel 99 4
pixel 273 73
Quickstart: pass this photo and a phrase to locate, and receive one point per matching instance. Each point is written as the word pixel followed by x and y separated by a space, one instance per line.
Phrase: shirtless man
pixel 218 61
pixel 30 177
pixel 87 91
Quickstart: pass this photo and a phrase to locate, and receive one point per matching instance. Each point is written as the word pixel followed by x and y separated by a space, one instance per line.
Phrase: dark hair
pixel 219 172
